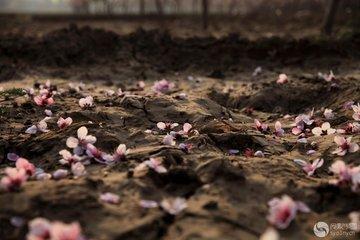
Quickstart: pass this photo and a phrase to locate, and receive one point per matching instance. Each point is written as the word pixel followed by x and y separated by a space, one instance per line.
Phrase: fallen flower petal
pixel 270 234
pixel 169 140
pixel 78 169
pixel 345 146
pixel 86 102
pixel 310 168
pixel 283 210
pixel 109 198
pixel 148 204
pixel 328 113
pixel 283 78
pixel 63 123
pixel 60 174
pixel 163 86
pixel 174 206
pixel 13 179
pixel 62 231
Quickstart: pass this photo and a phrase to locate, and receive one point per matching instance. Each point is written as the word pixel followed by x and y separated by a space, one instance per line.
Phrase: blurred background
pixel 251 18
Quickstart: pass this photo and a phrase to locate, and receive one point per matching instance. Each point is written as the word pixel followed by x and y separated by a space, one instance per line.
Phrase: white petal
pixel 300 162
pixel 31 130
pixel 65 154
pixel 121 149
pixel 325 126
pixel 353 147
pixel 331 131
pixel 339 140
pixel 82 132
pixel 72 142
pixel 317 131
pixel 90 139
pixel 161 125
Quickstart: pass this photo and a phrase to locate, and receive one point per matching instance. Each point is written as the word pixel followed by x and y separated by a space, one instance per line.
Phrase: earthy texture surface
pixel 227 195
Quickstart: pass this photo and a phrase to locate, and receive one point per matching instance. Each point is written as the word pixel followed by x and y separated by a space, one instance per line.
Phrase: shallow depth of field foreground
pixel 221 122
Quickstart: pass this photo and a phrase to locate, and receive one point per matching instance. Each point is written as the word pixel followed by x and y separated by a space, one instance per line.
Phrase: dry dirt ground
pixel 227 195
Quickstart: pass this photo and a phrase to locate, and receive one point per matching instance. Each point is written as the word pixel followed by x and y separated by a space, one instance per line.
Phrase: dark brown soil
pixel 227 195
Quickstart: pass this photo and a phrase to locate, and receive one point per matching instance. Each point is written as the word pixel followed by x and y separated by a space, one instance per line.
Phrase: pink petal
pixel 187 127
pixel 296 131
pixel 339 140
pixel 353 147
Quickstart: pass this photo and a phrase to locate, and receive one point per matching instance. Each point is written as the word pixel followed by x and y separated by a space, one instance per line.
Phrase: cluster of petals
pixel 345 175
pixel 345 146
pixel 43 229
pixel 86 102
pixel 301 122
pixel 172 206
pixel 166 126
pixel 163 86
pixel 262 127
pixel 41 126
pixel 15 177
pixel 325 129
pixel 328 113
pixel 282 79
pixel 327 77
pixel 153 163
pixel 310 168
pixel 64 122
pixel 279 131
pixel 80 143
pixel 283 210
